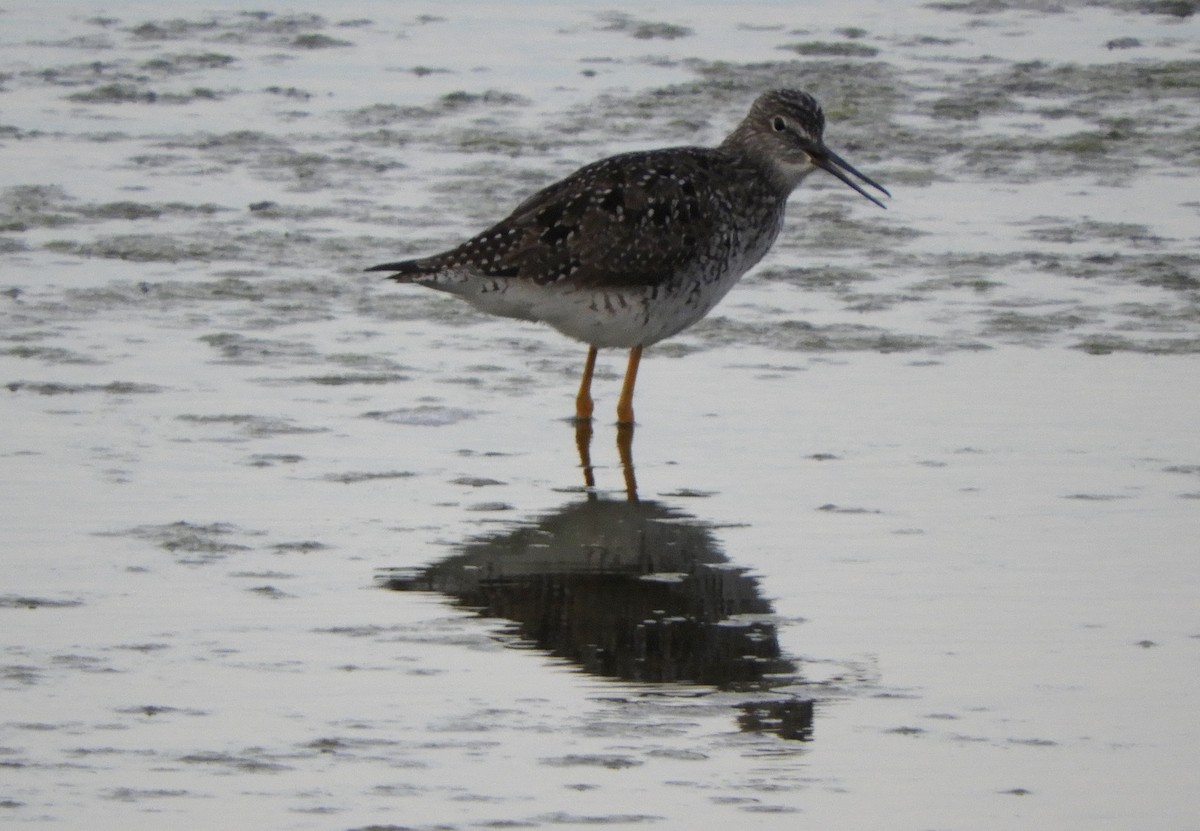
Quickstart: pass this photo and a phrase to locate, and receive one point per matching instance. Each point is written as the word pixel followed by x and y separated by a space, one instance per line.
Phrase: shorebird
pixel 637 247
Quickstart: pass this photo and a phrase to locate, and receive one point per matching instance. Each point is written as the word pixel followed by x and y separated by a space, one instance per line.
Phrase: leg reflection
pixel 625 451
pixel 583 444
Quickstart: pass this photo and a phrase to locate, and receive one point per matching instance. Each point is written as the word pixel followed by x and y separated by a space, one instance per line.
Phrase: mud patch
pixel 117 388
pixel 191 543
pixel 13 601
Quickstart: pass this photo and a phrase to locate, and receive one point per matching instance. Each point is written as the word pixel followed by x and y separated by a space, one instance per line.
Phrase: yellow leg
pixel 583 400
pixel 625 404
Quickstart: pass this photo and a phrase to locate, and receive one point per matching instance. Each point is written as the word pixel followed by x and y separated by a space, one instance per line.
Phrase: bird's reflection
pixel 627 588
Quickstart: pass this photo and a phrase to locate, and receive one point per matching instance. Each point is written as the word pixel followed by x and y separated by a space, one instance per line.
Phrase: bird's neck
pixel 782 176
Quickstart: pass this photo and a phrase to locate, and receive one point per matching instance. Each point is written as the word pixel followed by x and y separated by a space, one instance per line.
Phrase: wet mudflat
pixel 288 547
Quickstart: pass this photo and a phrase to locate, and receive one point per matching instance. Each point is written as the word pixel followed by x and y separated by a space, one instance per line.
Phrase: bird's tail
pixel 406 271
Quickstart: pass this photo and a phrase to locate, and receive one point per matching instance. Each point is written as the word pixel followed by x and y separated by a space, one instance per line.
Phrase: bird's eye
pixel 779 124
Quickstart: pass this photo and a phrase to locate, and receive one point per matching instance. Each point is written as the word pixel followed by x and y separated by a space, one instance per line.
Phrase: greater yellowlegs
pixel 637 247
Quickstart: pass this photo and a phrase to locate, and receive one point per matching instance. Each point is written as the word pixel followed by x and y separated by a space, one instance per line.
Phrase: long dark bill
pixel 834 164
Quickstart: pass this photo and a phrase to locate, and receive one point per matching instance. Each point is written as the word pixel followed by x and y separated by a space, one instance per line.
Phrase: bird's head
pixel 786 128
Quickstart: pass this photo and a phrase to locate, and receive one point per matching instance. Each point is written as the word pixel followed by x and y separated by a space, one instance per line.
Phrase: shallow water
pixel 914 543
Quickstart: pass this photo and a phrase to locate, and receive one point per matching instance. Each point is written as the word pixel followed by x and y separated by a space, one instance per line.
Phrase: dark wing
pixel 627 220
